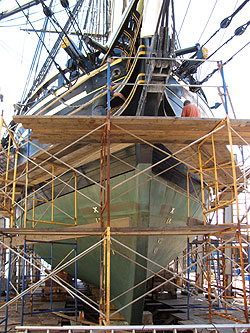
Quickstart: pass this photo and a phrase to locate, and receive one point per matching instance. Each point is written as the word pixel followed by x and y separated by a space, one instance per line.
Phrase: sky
pixel 196 21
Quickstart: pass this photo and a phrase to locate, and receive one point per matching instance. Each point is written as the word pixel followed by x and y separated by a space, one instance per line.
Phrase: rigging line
pixel 239 8
pixel 92 18
pixel 105 9
pixel 87 16
pixel 54 51
pixel 184 17
pixel 98 16
pixel 226 21
pixel 74 22
pixel 178 43
pixel 238 32
pixel 36 56
pixel 80 19
pixel 224 32
pixel 208 69
pixel 19 25
pixel 97 25
pixel 82 43
pixel 225 63
pixel 110 26
pixel 43 38
pixel 216 1
pixel 52 58
pixel 103 20
pixel 173 28
pixel 108 19
pixel 55 23
pixel 21 17
pixel 221 40
pixel 80 35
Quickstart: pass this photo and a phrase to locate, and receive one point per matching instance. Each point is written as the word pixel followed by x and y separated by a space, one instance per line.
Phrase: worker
pixel 190 110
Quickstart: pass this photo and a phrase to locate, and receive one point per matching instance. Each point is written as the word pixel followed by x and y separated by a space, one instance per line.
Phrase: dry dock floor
pixel 198 313
pixel 41 319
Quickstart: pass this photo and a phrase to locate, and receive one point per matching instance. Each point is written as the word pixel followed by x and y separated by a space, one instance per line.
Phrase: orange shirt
pixel 191 110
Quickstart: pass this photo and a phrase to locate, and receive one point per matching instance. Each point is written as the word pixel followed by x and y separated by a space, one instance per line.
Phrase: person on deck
pixel 190 110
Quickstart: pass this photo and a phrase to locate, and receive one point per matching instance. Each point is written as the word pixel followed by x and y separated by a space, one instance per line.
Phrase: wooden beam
pixel 62 234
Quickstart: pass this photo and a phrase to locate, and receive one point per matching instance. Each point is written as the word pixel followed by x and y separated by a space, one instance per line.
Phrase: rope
pixel 36 56
pixel 56 64
pixel 74 22
pixel 184 18
pixel 225 23
pixel 208 20
pixel 225 63
pixel 55 24
pixel 238 32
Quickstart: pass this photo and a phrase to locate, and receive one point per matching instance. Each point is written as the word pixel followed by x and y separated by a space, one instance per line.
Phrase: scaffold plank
pixel 63 159
pixel 61 129
pixel 178 134
pixel 47 234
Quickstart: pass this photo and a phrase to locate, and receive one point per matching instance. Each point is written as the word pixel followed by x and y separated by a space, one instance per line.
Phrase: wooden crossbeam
pixel 51 235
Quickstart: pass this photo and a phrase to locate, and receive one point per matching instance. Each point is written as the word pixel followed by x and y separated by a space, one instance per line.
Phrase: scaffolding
pixel 216 251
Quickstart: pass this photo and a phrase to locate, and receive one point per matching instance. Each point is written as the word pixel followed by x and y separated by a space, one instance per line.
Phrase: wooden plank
pixel 81 231
pixel 50 235
pixel 71 318
pixel 74 157
pixel 151 128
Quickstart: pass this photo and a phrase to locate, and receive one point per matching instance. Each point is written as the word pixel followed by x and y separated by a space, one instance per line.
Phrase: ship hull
pixel 144 201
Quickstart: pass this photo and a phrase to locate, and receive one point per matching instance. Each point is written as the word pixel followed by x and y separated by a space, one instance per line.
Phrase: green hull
pixel 147 203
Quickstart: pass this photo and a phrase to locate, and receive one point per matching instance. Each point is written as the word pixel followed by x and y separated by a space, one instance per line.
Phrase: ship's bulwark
pixel 147 203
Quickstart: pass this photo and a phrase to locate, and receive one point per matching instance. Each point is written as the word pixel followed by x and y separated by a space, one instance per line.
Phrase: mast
pixel 18 9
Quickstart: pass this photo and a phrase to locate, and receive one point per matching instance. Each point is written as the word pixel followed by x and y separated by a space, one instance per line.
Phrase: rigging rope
pixel 65 5
pixel 36 55
pixel 225 23
pixel 52 58
pixel 47 11
pixel 21 17
pixel 184 17
pixel 238 32
pixel 225 63
pixel 208 20
pixel 54 51
pixel 222 38
pixel 51 15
